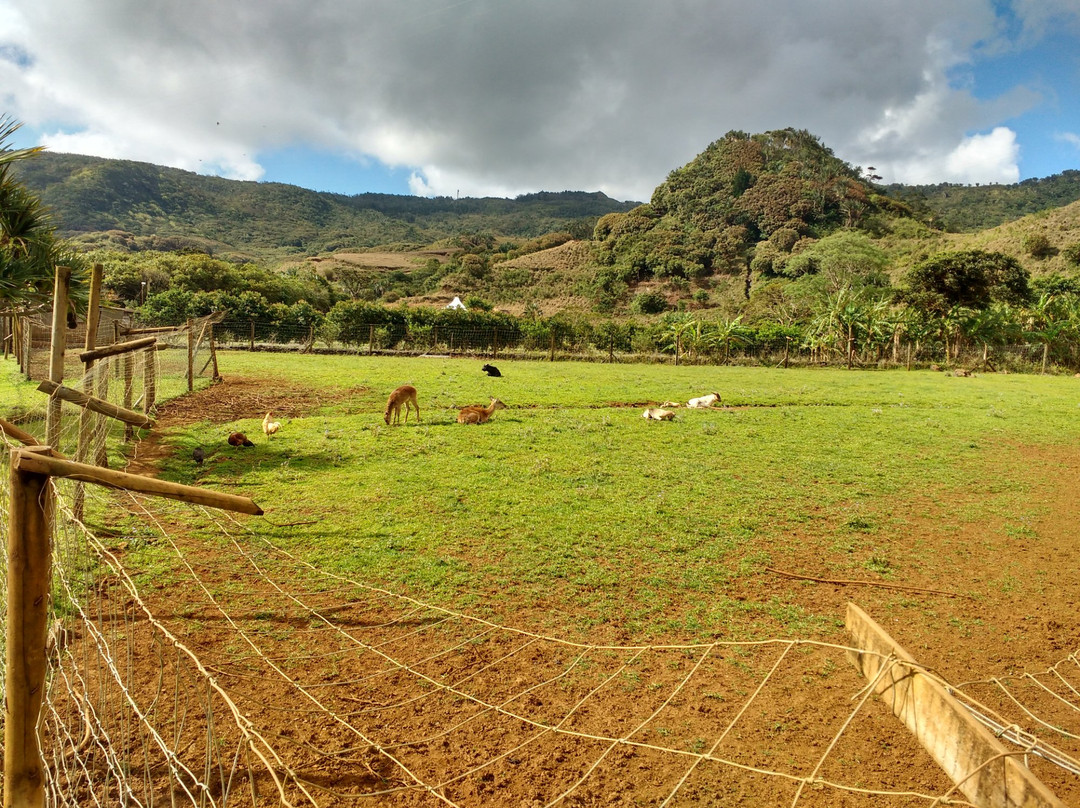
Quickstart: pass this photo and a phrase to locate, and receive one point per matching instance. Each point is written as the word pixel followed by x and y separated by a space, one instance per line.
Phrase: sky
pixel 505 97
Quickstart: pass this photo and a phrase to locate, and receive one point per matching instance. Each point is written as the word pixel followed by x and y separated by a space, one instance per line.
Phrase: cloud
pixel 1071 138
pixel 506 96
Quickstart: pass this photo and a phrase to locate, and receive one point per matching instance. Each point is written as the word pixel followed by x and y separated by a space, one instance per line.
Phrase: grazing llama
pixel 477 414
pixel 406 394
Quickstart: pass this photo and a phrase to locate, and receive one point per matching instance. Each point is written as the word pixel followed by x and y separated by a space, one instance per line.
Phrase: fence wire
pixel 195 662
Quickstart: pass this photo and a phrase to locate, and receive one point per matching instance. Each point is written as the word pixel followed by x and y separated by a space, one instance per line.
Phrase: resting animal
pixel 491 370
pixel 239 439
pixel 704 402
pixel 657 414
pixel 406 394
pixel 479 415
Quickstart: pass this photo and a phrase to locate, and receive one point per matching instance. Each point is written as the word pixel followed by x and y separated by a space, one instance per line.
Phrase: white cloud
pixel 489 96
pixel 986 158
pixel 1071 138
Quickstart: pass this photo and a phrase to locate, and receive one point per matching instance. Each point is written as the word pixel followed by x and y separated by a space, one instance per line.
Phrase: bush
pixel 1038 245
pixel 649 303
pixel 1072 255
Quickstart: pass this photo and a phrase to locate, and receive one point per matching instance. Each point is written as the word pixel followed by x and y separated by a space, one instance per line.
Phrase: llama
pixel 704 402
pixel 657 414
pixel 406 394
pixel 477 414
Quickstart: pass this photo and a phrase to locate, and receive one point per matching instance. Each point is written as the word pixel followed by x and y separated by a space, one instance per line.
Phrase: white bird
pixel 270 427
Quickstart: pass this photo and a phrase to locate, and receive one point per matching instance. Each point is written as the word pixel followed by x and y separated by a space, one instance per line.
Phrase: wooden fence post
pixel 149 379
pixel 29 573
pixel 494 343
pixel 87 420
pixel 56 354
pixel 551 355
pixel 251 337
pixel 190 356
pixel 371 340
pixel 129 384
pixel 213 355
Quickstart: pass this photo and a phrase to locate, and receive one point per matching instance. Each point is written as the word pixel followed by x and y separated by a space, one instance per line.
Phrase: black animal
pixel 491 370
pixel 198 455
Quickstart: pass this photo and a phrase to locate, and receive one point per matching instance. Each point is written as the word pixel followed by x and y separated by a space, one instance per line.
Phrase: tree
pixel 969 278
pixel 29 249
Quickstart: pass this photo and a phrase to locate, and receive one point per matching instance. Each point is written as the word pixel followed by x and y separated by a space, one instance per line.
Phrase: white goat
pixel 657 414
pixel 705 402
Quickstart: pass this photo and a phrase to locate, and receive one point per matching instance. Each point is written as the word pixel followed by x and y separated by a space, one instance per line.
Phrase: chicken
pixel 198 455
pixel 239 439
pixel 270 427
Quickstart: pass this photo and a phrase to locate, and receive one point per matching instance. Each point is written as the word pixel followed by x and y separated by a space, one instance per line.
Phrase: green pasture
pixel 570 506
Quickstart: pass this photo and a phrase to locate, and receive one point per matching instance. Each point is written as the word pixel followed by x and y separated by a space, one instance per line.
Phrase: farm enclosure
pixel 567 519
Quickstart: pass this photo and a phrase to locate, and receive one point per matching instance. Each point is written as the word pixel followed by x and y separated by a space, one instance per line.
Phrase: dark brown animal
pixel 239 439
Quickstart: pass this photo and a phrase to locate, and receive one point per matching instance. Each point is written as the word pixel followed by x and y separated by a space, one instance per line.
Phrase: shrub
pixel 649 303
pixel 1072 255
pixel 1038 245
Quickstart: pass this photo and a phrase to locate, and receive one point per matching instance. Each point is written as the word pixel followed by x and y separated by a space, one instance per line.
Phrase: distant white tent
pixel 457 304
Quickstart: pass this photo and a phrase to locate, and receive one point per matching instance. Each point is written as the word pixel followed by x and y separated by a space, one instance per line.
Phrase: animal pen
pixel 175 686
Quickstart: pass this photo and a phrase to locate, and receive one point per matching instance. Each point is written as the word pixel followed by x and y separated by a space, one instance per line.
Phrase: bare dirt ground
pixel 1006 631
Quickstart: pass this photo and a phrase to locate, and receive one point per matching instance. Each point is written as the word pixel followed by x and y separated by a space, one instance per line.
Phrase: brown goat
pixel 406 394
pixel 477 414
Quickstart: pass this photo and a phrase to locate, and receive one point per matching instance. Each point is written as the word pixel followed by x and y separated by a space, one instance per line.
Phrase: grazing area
pixel 570 514
pixel 568 574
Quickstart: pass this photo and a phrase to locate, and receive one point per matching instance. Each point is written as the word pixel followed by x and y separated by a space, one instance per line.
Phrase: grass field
pixel 571 512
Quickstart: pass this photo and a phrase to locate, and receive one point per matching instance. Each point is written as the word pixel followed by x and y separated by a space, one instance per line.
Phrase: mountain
pixel 121 203
pixel 969 208
pixel 751 212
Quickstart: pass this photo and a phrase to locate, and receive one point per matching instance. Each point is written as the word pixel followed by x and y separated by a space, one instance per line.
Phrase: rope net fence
pixel 195 662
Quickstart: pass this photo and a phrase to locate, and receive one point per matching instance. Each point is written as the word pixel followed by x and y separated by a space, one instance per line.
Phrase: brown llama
pixel 406 394
pixel 477 414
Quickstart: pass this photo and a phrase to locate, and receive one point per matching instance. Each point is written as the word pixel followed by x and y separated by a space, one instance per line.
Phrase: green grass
pixel 566 502
pixel 569 504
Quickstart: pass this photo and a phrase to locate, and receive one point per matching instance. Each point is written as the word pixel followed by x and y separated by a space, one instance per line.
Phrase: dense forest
pixel 762 238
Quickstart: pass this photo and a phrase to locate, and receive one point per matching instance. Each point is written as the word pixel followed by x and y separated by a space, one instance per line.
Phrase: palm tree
pixel 726 334
pixel 29 249
pixel 677 329
pixel 1049 320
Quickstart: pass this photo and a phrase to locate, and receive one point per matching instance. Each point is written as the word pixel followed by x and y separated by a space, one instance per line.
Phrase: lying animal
pixel 657 414
pixel 491 370
pixel 406 394
pixel 239 439
pixel 479 415
pixel 704 402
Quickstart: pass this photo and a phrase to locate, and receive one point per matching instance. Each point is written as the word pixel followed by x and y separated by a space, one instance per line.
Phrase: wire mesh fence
pixel 217 668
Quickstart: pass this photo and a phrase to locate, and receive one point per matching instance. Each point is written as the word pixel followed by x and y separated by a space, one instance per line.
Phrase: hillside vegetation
pixel 127 205
pixel 762 240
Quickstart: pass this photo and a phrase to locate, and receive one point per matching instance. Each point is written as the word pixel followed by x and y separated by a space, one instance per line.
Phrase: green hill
pixel 758 212
pixel 124 204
